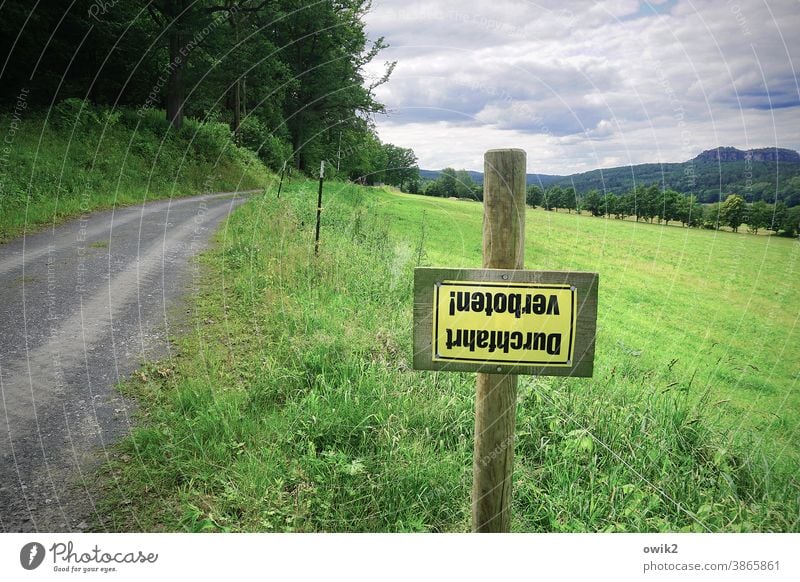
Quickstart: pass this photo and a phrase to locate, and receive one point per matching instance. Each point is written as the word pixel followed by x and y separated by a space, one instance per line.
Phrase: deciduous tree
pixel 732 211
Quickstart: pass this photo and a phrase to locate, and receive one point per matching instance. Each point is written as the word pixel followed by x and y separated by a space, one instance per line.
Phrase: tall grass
pixel 292 406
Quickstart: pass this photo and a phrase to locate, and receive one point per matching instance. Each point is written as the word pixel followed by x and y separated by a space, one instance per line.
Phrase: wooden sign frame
pixel 586 284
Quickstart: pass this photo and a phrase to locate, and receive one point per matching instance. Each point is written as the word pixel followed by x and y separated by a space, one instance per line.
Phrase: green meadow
pixel 292 405
pixel 711 310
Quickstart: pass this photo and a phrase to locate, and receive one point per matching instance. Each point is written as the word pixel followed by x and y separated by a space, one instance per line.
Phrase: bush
pixel 154 120
pixel 210 139
pixel 791 223
pixel 75 113
pixel 272 149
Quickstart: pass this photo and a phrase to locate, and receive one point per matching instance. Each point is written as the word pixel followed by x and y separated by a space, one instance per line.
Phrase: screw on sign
pixel 501 321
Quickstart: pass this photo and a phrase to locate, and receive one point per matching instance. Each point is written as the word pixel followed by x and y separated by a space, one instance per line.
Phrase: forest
pixel 286 77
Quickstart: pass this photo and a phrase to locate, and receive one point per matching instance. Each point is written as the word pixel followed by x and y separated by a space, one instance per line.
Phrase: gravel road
pixel 81 306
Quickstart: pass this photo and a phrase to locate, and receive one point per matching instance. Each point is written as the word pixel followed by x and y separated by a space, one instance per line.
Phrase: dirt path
pixel 81 306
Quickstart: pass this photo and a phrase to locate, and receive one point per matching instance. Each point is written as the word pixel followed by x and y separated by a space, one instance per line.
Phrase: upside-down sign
pixel 522 323
pixel 488 320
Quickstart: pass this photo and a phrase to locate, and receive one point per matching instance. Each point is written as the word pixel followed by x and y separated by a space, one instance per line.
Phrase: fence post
pixel 280 184
pixel 496 398
pixel 319 205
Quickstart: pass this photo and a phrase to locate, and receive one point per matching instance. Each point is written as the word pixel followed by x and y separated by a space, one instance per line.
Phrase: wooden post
pixel 280 184
pixel 496 399
pixel 319 205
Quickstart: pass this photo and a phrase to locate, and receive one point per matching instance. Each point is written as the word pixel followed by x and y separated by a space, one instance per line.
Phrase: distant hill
pixel 434 174
pixel 729 154
pixel 540 179
pixel 756 174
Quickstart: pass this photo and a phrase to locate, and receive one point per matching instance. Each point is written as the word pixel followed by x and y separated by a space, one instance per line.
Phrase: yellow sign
pixel 516 323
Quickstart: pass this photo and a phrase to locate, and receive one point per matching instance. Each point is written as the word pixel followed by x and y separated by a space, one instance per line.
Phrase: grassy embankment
pixel 292 406
pixel 81 159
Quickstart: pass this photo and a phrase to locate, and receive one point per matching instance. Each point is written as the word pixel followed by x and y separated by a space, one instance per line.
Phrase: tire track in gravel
pixel 81 306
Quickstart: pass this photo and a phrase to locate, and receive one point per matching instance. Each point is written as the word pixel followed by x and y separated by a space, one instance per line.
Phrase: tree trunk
pixel 175 82
pixel 297 143
pixel 237 110
pixel 244 96
pixel 237 97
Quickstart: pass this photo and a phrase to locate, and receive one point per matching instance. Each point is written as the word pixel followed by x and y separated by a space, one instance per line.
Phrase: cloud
pixel 588 82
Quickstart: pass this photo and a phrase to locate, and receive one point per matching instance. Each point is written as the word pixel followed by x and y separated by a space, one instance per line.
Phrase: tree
pixel 366 164
pixel 792 223
pixel 610 204
pixel 177 19
pixel 689 211
pixel 555 198
pixel 732 211
pixel 779 216
pixel 789 221
pixel 570 199
pixel 593 203
pixel 434 188
pixel 670 203
pixel 284 74
pixel 534 196
pixel 401 166
pixel 639 198
pixel 325 46
pixel 758 216
pixel 626 205
pixel 648 200
pixel 712 216
pixel 448 183
pixel 465 186
pixel 79 49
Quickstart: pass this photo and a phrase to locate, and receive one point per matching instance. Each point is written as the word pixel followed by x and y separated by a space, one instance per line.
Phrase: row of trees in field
pixel 645 203
pixel 454 184
pixel 288 77
pixel 652 204
pixel 385 163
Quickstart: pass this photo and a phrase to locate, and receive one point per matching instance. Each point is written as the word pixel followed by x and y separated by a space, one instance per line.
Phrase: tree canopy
pixel 287 76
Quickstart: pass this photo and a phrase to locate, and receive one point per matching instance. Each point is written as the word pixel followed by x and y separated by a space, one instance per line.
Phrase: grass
pixel 81 158
pixel 719 309
pixel 292 405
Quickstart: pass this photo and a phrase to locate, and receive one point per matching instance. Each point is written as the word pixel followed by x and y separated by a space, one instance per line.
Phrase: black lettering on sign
pixel 517 303
pixel 477 302
pixel 483 340
pixel 552 305
pixel 516 339
pixel 554 344
pixel 453 342
pixel 514 304
pixel 504 341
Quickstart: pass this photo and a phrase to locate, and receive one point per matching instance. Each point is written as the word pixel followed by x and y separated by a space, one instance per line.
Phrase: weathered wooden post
pixel 496 399
pixel 280 184
pixel 501 321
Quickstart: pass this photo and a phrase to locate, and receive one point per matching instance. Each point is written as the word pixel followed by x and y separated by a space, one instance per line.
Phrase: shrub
pixel 273 149
pixel 75 113
pixel 211 139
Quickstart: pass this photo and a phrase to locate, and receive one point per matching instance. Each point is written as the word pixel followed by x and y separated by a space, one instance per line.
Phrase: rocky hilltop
pixel 730 154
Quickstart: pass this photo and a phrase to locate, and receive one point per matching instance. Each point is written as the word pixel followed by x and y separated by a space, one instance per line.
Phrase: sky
pixel 581 84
